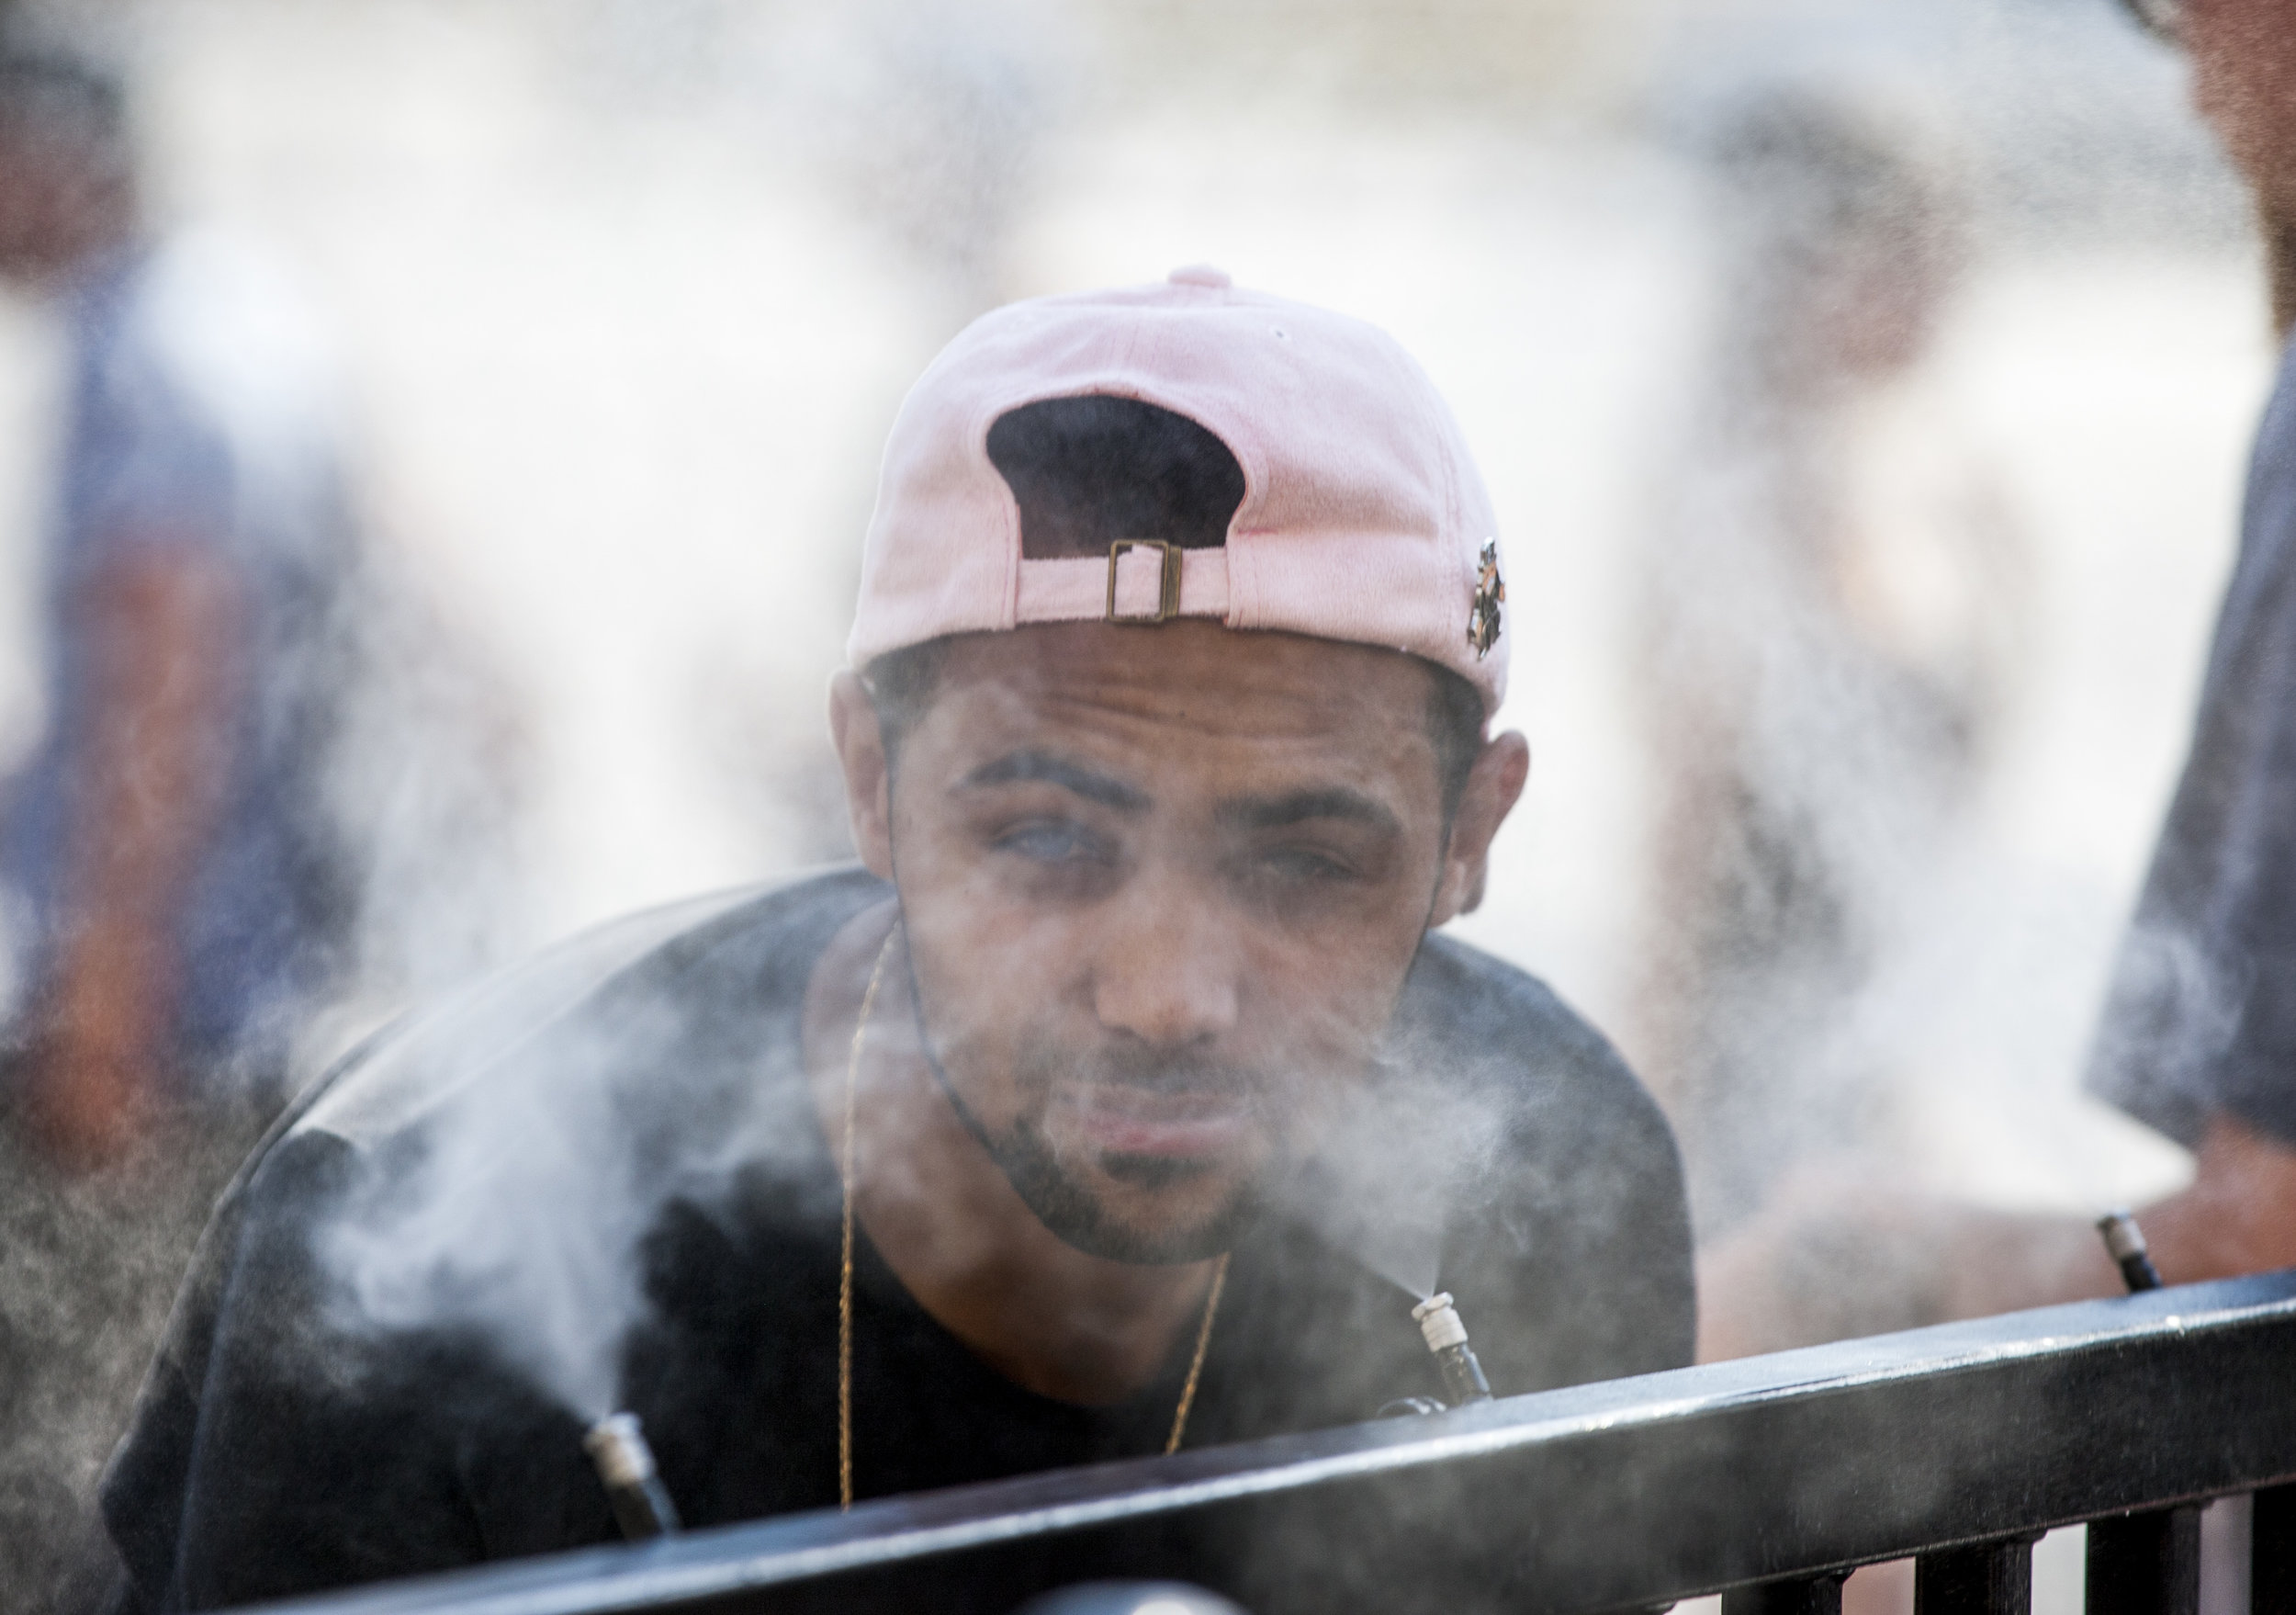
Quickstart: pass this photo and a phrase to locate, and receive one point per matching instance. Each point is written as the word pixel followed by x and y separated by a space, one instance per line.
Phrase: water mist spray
pixel 1463 1378
pixel 626 1465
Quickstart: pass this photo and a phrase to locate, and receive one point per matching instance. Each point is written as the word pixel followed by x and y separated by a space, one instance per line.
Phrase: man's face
pixel 1161 888
pixel 2244 81
pixel 24 198
pixel 54 191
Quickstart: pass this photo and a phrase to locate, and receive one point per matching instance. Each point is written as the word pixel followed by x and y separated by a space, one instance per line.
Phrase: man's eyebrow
pixel 1019 767
pixel 1298 806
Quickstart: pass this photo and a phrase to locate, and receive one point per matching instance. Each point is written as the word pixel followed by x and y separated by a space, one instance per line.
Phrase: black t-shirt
pixel 374 1366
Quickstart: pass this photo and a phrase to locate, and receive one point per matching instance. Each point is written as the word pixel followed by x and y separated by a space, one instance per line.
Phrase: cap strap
pixel 1141 581
pixel 1167 579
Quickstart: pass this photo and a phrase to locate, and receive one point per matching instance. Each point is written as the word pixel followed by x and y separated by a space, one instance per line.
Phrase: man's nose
pixel 1167 970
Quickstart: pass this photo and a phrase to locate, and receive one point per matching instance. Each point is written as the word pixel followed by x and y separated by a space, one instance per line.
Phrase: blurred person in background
pixel 2197 1034
pixel 178 892
pixel 1828 630
pixel 174 897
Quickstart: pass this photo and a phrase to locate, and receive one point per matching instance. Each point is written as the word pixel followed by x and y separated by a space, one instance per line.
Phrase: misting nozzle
pixel 2125 1240
pixel 626 1465
pixel 1463 1378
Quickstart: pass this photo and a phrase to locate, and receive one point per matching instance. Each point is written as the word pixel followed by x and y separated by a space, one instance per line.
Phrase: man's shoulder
pixel 1540 1117
pixel 743 954
pixel 433 1241
pixel 1489 1022
pixel 1511 1156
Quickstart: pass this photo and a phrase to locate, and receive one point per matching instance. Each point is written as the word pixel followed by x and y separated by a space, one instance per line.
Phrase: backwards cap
pixel 1363 517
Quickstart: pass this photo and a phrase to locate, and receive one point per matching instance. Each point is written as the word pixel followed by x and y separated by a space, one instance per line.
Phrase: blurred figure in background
pixel 2198 1034
pixel 2198 1037
pixel 1829 622
pixel 175 895
pixel 179 890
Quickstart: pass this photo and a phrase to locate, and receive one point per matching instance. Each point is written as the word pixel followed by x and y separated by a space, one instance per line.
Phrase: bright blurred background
pixel 628 290
pixel 628 294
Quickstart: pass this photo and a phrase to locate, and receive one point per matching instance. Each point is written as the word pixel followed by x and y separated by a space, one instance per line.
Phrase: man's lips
pixel 1116 1118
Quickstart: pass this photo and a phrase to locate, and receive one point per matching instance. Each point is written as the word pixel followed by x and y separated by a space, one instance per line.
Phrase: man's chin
pixel 1113 1239
pixel 1152 1207
pixel 1152 1210
pixel 1153 1172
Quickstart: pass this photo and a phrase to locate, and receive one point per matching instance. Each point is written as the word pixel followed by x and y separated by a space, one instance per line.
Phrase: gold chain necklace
pixel 845 1267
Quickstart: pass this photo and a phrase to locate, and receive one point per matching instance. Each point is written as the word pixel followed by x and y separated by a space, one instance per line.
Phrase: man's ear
pixel 1493 786
pixel 860 752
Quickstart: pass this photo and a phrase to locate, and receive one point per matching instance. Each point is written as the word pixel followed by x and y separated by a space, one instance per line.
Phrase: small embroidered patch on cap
pixel 1482 618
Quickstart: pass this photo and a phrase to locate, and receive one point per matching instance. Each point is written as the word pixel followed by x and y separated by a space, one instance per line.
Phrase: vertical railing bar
pixel 2145 1563
pixel 1813 1595
pixel 2272 1550
pixel 1991 1578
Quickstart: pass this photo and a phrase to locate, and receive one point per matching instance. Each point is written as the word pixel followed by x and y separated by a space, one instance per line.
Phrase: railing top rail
pixel 1625 1492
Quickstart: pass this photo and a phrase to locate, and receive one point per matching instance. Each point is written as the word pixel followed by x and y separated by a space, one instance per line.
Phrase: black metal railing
pixel 1766 1479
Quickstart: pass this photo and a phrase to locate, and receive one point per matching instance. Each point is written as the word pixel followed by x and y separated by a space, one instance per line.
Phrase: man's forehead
pixel 1222 724
pixel 1219 678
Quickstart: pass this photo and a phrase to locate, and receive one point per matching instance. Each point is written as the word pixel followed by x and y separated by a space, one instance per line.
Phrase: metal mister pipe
pixel 2125 1241
pixel 626 1465
pixel 1463 1378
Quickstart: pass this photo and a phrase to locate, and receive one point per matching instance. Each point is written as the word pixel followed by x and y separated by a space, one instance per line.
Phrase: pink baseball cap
pixel 1362 516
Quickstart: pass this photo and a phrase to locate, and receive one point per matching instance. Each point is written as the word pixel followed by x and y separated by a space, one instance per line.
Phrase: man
pixel 2199 1032
pixel 2198 1037
pixel 170 894
pixel 1081 1122
pixel 177 895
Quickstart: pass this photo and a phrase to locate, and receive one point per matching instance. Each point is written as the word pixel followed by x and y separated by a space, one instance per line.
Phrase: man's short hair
pixel 1087 471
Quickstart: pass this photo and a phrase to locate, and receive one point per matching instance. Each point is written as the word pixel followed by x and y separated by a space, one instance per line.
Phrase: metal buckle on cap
pixel 1168 587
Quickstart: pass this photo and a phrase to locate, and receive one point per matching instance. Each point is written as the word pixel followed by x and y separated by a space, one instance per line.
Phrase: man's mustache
pixel 1159 1072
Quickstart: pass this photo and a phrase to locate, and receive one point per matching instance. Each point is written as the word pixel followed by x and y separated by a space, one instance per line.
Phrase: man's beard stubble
pixel 1051 1190
pixel 1064 1204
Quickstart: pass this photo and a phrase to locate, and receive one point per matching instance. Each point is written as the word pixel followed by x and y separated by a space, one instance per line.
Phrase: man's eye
pixel 1305 864
pixel 1049 843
